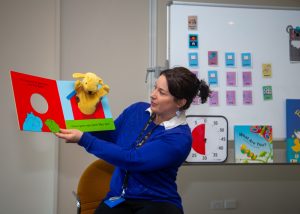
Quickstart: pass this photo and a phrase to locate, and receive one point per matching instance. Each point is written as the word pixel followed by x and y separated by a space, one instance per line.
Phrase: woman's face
pixel 162 102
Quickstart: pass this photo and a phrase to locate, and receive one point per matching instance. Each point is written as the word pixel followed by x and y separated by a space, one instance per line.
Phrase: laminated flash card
pixel 246 60
pixel 62 110
pixel 212 57
pixel 267 92
pixel 193 59
pixel 247 97
pixel 230 59
pixel 214 98
pixel 230 98
pixel 231 78
pixel 193 40
pixel 267 70
pixel 247 78
pixel 192 22
pixel 213 77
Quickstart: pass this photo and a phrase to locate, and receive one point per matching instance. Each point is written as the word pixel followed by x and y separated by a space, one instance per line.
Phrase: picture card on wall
pixel 247 78
pixel 192 22
pixel 247 97
pixel 230 97
pixel 213 78
pixel 193 40
pixel 230 59
pixel 214 98
pixel 246 60
pixel 193 59
pixel 212 58
pixel 267 92
pixel 231 78
pixel 267 70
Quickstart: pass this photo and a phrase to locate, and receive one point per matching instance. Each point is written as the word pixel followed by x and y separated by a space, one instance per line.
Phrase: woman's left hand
pixel 70 135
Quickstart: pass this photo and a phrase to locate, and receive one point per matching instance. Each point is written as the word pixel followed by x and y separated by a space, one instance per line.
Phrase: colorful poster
pixel 230 59
pixel 193 40
pixel 247 78
pixel 212 58
pixel 231 78
pixel 61 106
pixel 213 78
pixel 230 98
pixel 193 59
pixel 253 144
pixel 293 130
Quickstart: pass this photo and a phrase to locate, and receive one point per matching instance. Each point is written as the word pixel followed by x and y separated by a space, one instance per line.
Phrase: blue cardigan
pixel 152 167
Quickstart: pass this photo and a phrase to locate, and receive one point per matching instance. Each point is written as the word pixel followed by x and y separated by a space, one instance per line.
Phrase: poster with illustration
pixel 46 105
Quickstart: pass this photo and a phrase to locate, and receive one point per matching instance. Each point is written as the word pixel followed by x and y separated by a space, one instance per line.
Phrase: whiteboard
pixel 259 31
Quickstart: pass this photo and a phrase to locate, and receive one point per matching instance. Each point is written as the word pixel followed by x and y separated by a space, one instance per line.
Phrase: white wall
pixel 29 41
pixel 110 38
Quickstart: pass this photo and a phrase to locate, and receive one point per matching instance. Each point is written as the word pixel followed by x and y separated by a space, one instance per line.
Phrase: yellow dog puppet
pixel 88 92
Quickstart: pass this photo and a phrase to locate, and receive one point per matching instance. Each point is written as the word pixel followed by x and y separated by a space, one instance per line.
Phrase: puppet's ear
pixel 78 75
pixel 100 81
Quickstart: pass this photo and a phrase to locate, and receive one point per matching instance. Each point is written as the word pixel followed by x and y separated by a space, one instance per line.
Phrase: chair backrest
pixel 94 185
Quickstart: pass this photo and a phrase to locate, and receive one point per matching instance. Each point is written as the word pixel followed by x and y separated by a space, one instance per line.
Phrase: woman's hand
pixel 70 135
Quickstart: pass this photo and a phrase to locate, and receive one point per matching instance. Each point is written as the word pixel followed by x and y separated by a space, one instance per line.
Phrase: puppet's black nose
pixel 90 92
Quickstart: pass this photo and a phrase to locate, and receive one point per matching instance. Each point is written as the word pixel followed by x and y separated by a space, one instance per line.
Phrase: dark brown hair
pixel 183 84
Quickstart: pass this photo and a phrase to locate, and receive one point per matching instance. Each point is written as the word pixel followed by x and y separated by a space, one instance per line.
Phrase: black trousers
pixel 139 207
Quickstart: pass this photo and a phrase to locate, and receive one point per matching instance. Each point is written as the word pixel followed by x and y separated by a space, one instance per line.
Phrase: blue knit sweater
pixel 152 167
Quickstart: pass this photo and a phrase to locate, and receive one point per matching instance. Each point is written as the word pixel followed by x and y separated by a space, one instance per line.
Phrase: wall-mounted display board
pixel 244 53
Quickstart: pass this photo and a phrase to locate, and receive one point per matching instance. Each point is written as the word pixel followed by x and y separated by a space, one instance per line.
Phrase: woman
pixel 150 143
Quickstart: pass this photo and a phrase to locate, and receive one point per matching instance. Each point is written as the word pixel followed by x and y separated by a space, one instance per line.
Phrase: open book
pixel 60 108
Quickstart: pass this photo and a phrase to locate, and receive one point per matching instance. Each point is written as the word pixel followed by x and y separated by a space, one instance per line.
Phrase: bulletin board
pixel 258 31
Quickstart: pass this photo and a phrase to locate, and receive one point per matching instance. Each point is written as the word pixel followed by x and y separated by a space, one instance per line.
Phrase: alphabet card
pixel 45 105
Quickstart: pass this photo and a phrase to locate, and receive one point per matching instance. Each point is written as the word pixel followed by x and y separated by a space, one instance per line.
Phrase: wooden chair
pixel 93 186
